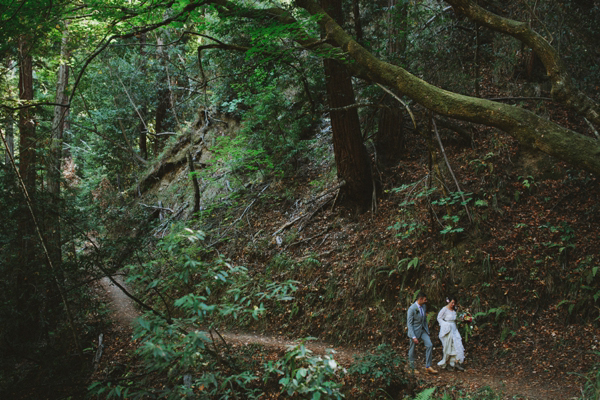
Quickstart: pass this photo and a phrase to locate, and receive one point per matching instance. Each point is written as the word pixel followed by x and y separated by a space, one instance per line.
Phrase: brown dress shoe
pixel 431 370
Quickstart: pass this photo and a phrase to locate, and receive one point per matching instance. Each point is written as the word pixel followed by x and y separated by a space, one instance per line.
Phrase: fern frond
pixel 425 394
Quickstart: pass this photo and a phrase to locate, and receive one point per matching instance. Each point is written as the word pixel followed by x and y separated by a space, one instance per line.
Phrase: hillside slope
pixel 521 255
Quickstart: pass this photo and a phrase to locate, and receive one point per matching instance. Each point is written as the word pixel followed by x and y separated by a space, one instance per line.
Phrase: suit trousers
pixel 428 350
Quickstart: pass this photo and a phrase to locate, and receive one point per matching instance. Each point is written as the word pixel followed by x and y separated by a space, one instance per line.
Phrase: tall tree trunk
pixel 161 123
pixel 357 22
pixel 10 139
pixel 54 169
pixel 27 143
pixel 351 157
pixel 389 141
pixel 143 129
pixel 397 24
pixel 26 279
pixel 9 123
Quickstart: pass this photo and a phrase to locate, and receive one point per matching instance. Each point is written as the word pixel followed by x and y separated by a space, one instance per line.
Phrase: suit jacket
pixel 417 324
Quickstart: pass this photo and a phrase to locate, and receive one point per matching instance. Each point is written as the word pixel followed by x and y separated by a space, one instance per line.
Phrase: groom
pixel 418 329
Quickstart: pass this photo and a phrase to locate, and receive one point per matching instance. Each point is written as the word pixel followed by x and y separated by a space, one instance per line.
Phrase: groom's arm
pixel 409 322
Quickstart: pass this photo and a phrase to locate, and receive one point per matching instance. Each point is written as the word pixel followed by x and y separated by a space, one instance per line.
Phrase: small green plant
pixel 318 184
pixel 380 370
pixel 527 181
pixel 454 198
pixel 302 373
pixel 452 221
pixel 408 229
pixel 480 165
pixel 426 394
pixel 405 265
pixel 499 314
pixel 591 387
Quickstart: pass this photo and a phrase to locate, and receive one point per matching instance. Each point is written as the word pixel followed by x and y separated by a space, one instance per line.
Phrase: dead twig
pixel 98 355
pixel 462 196
pixel 309 217
pixel 157 207
pixel 288 224
pixel 308 239
pixel 241 216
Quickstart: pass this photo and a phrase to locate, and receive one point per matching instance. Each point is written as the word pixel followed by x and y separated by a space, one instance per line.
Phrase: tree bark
pixel 162 107
pixel 351 157
pixel 54 170
pixel 142 128
pixel 27 142
pixel 357 22
pixel 10 139
pixel 26 279
pixel 389 141
pixel 194 183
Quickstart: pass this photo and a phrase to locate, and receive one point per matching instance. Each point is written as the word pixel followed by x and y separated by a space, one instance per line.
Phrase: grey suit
pixel 417 328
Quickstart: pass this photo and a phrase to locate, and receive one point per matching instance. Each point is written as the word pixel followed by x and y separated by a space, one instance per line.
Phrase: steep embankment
pixel 519 250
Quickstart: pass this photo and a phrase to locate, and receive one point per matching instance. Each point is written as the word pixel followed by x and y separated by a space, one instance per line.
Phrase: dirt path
pixel 513 385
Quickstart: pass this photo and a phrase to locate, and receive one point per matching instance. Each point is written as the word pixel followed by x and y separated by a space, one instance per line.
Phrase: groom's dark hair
pixel 421 295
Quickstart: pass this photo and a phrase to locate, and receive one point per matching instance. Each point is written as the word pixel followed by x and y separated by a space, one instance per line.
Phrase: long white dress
pixel 450 337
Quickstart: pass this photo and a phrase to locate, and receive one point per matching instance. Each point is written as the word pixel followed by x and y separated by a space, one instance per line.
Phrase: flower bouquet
pixel 467 322
pixel 465 316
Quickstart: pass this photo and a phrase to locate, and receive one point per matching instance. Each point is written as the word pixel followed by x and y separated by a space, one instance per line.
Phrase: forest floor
pixel 510 381
pixel 531 253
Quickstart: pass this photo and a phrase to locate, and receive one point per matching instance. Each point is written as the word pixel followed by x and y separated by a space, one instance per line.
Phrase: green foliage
pixel 302 373
pixel 582 295
pixel 591 386
pixel 195 291
pixel 405 265
pixel 483 165
pixel 379 371
pixel 425 394
pixel 409 227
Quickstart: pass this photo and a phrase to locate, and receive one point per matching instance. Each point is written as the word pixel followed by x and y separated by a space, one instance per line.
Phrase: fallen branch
pixel 309 217
pixel 98 355
pixel 241 216
pixel 592 128
pixel 157 207
pixel 341 184
pixel 308 239
pixel 288 224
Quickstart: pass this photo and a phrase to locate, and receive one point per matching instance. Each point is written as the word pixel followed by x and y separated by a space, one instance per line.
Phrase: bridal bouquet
pixel 467 322
pixel 465 316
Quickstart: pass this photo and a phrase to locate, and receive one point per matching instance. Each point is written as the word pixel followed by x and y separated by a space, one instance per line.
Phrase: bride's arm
pixel 441 314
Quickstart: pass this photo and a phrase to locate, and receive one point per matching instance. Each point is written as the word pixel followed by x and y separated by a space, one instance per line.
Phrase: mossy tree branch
pixel 528 128
pixel 563 89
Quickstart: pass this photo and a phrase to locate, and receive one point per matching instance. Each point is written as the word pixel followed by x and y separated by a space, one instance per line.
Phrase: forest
pixel 245 199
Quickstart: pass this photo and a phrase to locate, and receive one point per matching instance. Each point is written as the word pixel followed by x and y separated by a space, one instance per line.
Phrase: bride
pixel 454 352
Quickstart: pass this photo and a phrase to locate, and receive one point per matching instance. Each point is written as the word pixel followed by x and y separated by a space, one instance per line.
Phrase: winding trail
pixel 512 385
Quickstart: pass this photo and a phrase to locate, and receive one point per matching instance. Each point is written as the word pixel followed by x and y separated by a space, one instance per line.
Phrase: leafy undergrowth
pixel 525 263
pixel 516 243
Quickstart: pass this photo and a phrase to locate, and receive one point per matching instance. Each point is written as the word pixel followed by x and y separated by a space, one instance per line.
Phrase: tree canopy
pixel 102 98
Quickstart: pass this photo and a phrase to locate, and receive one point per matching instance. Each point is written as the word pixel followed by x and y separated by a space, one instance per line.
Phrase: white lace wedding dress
pixel 450 337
